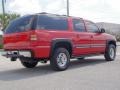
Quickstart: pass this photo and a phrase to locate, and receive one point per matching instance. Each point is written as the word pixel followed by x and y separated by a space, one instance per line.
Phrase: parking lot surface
pixel 93 73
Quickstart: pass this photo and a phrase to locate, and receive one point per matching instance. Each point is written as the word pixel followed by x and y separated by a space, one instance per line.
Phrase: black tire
pixel 57 58
pixel 107 55
pixel 29 64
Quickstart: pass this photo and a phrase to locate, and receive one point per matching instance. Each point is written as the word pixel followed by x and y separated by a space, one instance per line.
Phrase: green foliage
pixel 1 43
pixel 5 19
pixel 118 38
pixel 1 46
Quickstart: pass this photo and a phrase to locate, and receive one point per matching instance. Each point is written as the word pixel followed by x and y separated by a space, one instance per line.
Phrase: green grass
pixel 1 46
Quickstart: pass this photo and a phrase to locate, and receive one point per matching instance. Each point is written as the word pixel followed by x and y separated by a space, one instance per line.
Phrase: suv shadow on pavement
pixel 40 71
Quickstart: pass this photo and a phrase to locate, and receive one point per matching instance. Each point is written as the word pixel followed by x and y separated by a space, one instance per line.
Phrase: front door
pixel 98 42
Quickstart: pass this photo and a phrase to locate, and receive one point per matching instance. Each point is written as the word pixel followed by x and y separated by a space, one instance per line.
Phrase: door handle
pixel 77 35
pixel 91 36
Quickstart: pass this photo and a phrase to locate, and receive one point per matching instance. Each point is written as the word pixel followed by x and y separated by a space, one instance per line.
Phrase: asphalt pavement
pixel 93 73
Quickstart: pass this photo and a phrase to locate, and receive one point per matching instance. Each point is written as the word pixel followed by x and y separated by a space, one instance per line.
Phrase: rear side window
pixel 19 25
pixel 52 22
pixel 78 25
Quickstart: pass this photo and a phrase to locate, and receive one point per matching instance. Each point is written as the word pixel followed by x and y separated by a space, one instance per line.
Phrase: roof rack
pixel 52 14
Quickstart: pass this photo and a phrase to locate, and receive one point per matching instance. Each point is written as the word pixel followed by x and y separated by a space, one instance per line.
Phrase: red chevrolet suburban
pixel 49 37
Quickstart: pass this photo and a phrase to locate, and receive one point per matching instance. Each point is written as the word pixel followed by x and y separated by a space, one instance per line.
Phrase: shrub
pixel 1 46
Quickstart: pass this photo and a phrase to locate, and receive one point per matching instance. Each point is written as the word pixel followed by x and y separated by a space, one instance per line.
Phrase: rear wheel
pixel 30 64
pixel 110 53
pixel 60 59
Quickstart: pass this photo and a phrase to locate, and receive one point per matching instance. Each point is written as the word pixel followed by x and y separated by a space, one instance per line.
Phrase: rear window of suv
pixel 52 22
pixel 19 25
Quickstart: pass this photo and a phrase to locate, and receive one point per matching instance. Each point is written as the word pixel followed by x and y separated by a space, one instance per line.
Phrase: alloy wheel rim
pixel 62 59
pixel 112 53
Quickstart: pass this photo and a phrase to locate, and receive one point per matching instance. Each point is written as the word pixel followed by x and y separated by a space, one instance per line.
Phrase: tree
pixel 5 19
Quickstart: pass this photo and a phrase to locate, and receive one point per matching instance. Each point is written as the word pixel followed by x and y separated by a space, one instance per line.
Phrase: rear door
pixel 17 33
pixel 98 41
pixel 82 38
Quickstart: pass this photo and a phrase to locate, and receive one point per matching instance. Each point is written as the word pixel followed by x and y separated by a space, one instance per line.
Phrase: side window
pixel 78 25
pixel 51 22
pixel 19 25
pixel 91 27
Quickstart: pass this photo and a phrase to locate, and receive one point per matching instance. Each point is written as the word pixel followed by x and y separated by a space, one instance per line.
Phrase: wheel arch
pixel 111 42
pixel 63 43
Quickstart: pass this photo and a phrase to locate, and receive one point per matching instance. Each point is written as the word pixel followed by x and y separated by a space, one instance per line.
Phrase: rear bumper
pixel 39 52
pixel 17 54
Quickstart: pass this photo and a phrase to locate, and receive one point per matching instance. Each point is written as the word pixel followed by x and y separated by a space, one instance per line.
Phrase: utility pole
pixel 3 9
pixel 68 8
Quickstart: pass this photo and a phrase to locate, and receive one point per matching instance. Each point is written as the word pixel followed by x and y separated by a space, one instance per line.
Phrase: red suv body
pixel 40 37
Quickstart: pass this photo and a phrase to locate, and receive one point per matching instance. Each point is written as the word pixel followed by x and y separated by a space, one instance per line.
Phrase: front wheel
pixel 110 53
pixel 60 59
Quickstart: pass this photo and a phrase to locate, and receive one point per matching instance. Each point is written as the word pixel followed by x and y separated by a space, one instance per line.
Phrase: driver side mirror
pixel 102 30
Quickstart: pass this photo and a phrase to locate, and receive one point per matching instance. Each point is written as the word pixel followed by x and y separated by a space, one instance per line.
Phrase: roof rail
pixel 52 14
pixel 42 13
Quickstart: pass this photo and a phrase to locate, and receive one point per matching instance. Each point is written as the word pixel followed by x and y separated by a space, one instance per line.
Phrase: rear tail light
pixel 33 37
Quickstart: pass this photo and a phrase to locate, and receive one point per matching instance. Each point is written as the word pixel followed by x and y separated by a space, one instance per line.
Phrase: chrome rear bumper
pixel 17 54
